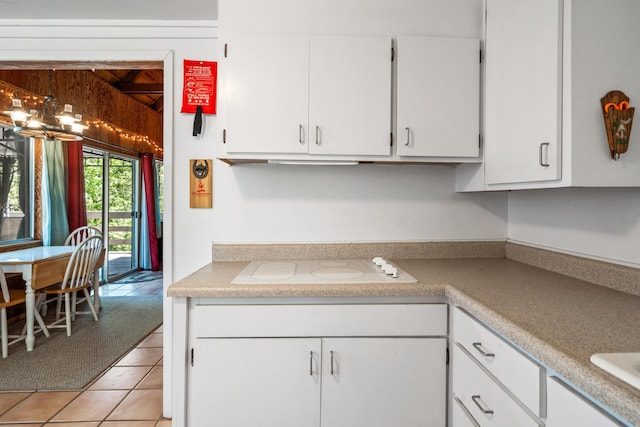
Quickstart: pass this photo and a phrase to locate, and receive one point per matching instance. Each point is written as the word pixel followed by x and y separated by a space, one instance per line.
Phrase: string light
pixel 32 102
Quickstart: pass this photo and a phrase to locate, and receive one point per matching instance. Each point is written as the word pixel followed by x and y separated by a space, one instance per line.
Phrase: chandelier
pixel 49 121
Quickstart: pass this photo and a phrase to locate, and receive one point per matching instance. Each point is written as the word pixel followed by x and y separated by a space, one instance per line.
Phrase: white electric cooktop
pixel 322 271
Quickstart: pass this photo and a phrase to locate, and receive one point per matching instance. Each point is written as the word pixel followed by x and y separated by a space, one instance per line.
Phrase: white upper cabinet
pixel 298 94
pixel 350 95
pixel 523 91
pixel 438 97
pixel 547 65
pixel 267 83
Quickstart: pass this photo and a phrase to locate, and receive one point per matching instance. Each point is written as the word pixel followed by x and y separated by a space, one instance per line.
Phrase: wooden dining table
pixel 40 266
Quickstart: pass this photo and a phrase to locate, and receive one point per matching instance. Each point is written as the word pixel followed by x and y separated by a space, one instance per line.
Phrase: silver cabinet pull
pixel 311 363
pixel 541 150
pixel 478 346
pixel 466 412
pixel 480 404
pixel 408 136
pixel 331 357
pixel 300 134
pixel 317 135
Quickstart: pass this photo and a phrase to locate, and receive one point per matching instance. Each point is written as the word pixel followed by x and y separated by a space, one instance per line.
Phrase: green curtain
pixel 56 229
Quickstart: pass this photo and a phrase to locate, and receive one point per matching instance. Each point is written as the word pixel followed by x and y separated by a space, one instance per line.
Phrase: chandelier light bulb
pixel 33 121
pixel 16 112
pixel 67 118
pixel 78 126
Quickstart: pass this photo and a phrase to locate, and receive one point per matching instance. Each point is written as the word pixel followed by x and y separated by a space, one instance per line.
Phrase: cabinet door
pixel 523 91
pixel 438 97
pixel 566 408
pixel 267 83
pixel 382 382
pixel 267 382
pixel 350 95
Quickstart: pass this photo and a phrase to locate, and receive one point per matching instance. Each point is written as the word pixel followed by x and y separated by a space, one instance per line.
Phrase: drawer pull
pixel 478 346
pixel 480 404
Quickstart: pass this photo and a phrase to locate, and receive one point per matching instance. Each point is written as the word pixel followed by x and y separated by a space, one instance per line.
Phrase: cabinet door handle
pixel 478 346
pixel 317 135
pixel 480 404
pixel 408 136
pixel 300 134
pixel 541 150
pixel 331 358
pixel 311 363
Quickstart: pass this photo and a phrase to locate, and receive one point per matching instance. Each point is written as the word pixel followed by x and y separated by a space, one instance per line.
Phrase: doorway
pixel 112 186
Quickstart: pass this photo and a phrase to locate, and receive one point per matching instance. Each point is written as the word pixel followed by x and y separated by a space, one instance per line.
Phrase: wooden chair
pixel 9 298
pixel 81 233
pixel 78 277
pixel 73 239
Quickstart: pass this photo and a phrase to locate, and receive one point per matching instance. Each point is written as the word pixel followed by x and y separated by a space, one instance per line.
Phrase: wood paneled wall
pixel 115 119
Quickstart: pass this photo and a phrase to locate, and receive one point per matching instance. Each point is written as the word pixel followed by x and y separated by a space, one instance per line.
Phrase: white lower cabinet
pixel 382 382
pixel 325 376
pixel 567 408
pixel 517 372
pixel 485 399
pixel 494 384
pixel 497 384
pixel 255 382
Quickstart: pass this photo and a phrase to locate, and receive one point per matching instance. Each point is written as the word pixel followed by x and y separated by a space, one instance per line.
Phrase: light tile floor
pixel 127 394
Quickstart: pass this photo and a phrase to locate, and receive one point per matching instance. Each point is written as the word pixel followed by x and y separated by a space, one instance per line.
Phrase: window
pixel 16 187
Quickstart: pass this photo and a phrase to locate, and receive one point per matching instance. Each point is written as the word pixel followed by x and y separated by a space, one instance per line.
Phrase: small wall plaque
pixel 200 184
pixel 618 118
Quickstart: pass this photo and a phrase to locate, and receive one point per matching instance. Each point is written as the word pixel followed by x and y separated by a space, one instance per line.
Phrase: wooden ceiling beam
pixel 158 104
pixel 140 88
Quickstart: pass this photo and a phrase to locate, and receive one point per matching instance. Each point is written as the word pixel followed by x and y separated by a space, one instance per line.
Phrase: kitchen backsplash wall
pixel 263 203
pixel 602 224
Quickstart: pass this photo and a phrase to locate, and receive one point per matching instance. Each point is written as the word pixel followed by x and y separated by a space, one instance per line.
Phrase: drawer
pixel 318 320
pixel 487 403
pixel 522 376
pixel 461 415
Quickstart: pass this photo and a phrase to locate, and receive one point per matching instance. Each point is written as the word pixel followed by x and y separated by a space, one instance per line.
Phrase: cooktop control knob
pixel 390 270
pixel 379 261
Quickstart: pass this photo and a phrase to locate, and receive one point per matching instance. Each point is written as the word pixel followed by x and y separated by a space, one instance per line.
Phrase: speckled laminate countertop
pixel 557 319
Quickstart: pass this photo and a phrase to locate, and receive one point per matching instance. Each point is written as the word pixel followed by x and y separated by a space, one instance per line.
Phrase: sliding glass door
pixel 123 215
pixel 112 184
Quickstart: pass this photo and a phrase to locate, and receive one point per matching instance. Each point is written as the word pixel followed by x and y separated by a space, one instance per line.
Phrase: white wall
pixel 459 18
pixel 264 203
pixel 597 223
pixel 112 9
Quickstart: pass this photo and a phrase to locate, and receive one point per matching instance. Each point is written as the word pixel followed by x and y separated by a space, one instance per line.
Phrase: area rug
pixel 140 276
pixel 70 363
